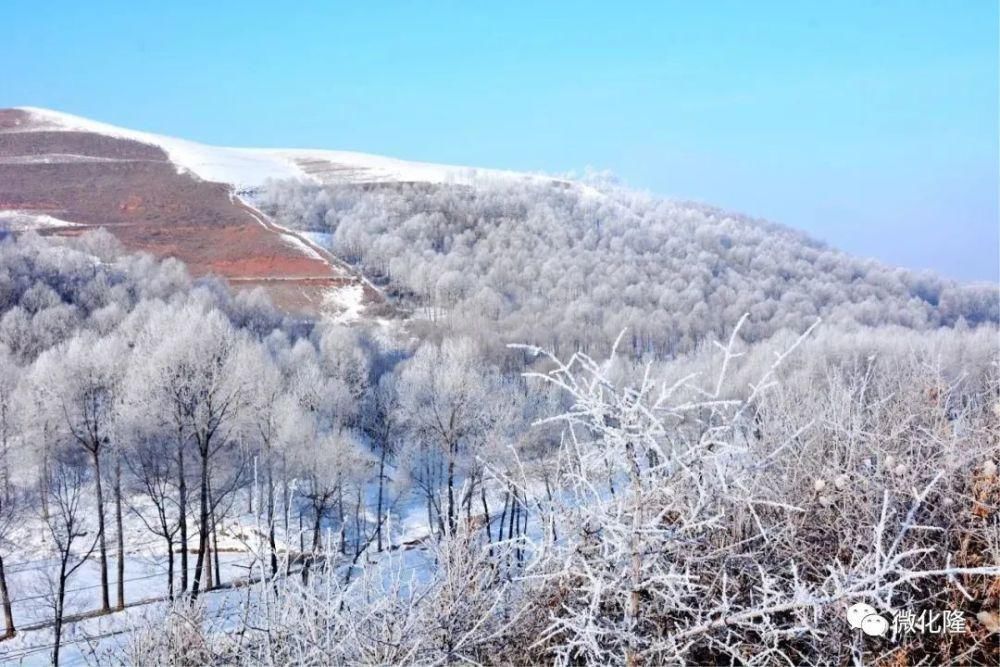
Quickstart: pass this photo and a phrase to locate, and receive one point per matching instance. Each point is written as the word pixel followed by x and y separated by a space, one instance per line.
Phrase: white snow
pixel 322 239
pixel 16 220
pixel 328 166
pixel 301 246
pixel 348 302
pixel 246 168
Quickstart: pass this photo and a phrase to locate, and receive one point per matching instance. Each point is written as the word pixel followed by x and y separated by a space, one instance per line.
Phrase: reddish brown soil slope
pixel 134 191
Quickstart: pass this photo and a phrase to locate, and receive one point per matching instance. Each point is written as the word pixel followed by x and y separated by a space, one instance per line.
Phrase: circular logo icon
pixel 864 617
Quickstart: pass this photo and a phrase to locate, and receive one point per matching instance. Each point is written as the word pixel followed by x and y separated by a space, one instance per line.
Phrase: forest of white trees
pixel 614 431
pixel 568 267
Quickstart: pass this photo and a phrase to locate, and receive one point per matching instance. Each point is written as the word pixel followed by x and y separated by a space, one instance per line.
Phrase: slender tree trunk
pixel 215 535
pixel 170 568
pixel 182 509
pixel 318 511
pixel 121 534
pixel 548 492
pixel 486 514
pixel 270 521
pixel 467 501
pixel 286 502
pixel 513 514
pixel 44 485
pixel 209 567
pixel 101 533
pixel 202 528
pixel 503 515
pixel 215 555
pixel 523 530
pixel 451 493
pixel 57 626
pixel 340 518
pixel 357 524
pixel 8 615
pixel 381 486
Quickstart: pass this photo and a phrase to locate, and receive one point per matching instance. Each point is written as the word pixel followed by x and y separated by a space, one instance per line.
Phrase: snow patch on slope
pixel 329 167
pixel 302 247
pixel 348 302
pixel 322 239
pixel 15 220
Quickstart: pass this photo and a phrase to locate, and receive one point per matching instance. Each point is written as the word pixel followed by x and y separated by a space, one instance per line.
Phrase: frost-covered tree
pixel 448 404
pixel 568 266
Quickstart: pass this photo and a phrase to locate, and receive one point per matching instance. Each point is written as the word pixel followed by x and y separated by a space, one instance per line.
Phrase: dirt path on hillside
pixel 336 264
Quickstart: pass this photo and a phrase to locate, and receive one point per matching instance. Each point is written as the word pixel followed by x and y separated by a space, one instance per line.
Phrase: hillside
pixel 499 254
pixel 191 476
pixel 62 174
pixel 566 269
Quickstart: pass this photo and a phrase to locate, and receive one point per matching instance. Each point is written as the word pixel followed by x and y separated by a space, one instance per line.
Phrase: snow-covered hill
pixel 250 167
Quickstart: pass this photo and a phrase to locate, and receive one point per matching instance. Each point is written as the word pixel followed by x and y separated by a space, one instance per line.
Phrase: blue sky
pixel 872 125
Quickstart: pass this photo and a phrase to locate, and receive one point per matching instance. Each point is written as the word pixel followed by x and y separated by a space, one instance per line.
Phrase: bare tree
pixel 153 476
pixel 197 373
pixel 11 505
pixel 67 527
pixel 444 397
pixel 86 384
pixel 381 415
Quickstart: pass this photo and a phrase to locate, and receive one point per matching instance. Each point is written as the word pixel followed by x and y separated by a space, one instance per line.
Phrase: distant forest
pixel 568 267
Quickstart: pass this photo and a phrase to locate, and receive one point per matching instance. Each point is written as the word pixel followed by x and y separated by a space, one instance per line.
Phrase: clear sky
pixel 872 125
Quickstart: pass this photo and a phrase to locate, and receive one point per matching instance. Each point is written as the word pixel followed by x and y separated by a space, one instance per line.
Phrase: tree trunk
pixel 503 515
pixel 270 521
pixel 202 529
pixel 357 524
pixel 215 536
pixel 121 535
pixel 101 535
pixel 318 511
pixel 170 568
pixel 43 489
pixel 548 492
pixel 209 567
pixel 8 616
pixel 302 543
pixel 486 514
pixel 44 476
pixel 215 555
pixel 513 513
pixel 467 501
pixel 340 512
pixel 381 486
pixel 182 509
pixel 57 626
pixel 451 493
pixel 286 502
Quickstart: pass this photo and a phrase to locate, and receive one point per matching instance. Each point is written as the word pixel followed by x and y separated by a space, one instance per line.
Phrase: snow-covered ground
pixel 304 248
pixel 408 557
pixel 346 302
pixel 322 239
pixel 15 220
